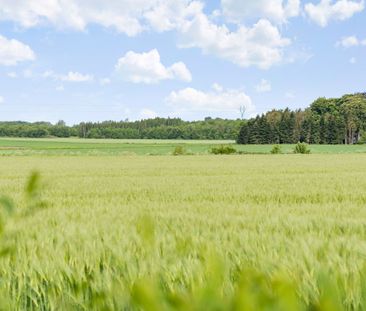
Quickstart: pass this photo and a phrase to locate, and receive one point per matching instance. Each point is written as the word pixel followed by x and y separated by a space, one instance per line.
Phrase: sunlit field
pixel 239 232
pixel 75 146
pixel 182 155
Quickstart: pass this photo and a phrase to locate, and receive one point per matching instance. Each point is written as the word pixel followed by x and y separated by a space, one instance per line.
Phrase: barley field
pixel 239 232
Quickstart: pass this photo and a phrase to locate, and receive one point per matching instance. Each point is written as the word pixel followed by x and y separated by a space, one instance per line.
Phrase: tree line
pixel 162 128
pixel 36 129
pixel 158 128
pixel 326 121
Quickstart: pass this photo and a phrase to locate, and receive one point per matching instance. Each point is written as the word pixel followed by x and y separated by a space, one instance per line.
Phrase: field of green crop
pixel 75 147
pixel 239 232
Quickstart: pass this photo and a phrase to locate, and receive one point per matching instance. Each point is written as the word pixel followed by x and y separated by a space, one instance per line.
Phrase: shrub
pixel 223 150
pixel 301 148
pixel 179 150
pixel 276 149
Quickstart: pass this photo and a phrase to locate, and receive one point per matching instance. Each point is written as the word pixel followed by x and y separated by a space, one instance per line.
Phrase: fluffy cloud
pixel 1 99
pixel 71 76
pixel 171 14
pixel 264 86
pixel 275 10
pixel 219 100
pixel 77 77
pixel 261 46
pixel 128 16
pixel 13 51
pixel 74 14
pixel 350 41
pixel 147 68
pixel 326 10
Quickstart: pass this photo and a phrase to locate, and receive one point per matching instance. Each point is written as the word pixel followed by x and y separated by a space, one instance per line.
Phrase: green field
pixel 75 146
pixel 239 232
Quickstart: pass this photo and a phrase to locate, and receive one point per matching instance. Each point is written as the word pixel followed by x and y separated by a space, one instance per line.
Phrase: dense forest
pixel 326 121
pixel 161 128
pixel 158 128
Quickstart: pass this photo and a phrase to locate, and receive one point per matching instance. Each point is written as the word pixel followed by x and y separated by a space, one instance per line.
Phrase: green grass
pixel 182 232
pixel 74 146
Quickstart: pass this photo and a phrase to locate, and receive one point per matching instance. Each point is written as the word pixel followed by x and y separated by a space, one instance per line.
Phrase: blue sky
pixel 79 60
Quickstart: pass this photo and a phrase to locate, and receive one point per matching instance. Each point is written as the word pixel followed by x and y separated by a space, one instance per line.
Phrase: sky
pixel 92 60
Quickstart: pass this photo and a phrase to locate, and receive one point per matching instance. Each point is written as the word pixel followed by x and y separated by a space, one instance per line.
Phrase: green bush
pixel 301 148
pixel 276 149
pixel 223 150
pixel 179 150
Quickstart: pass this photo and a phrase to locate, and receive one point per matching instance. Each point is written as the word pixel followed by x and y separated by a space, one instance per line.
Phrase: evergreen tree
pixel 244 134
pixel 326 121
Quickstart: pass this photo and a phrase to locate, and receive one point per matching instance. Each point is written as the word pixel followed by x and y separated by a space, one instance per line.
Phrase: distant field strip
pixel 74 146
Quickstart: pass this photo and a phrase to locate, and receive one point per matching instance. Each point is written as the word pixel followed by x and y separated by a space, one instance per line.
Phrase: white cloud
pixel 127 16
pixel 353 60
pixel 77 77
pixel 147 68
pixel 170 14
pixel 328 10
pixel 13 52
pixel 1 100
pixel 74 14
pixel 275 10
pixel 191 99
pixel 264 86
pixel 148 114
pixel 350 41
pixel 261 46
pixel 71 76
